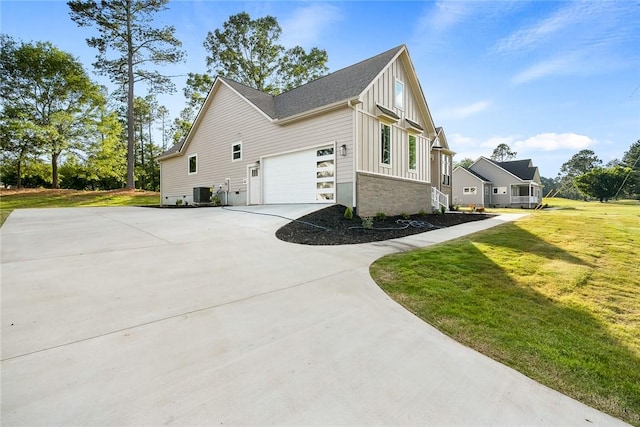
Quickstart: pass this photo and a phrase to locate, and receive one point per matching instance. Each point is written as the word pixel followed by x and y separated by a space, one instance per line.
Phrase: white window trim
pixel 415 141
pixel 386 165
pixel 232 152
pixel 189 164
pixel 395 95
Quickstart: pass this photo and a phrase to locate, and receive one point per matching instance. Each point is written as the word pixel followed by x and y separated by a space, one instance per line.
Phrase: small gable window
pixel 412 152
pixel 193 164
pixel 399 95
pixel 236 151
pixel 385 144
pixel 470 190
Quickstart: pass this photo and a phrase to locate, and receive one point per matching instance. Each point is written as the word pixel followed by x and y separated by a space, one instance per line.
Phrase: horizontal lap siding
pixel 462 179
pixel 229 119
pixel 499 178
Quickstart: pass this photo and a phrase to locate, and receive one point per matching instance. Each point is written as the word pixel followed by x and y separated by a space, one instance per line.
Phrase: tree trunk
pixel 130 119
pixel 54 169
pixel 143 184
pixel 19 178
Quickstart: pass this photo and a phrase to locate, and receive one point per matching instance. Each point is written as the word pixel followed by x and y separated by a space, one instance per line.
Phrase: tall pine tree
pixel 126 43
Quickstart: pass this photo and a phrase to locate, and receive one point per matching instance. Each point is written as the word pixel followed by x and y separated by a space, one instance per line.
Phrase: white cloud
pixel 448 14
pixel 535 34
pixel 306 24
pixel 465 111
pixel 556 66
pixel 555 142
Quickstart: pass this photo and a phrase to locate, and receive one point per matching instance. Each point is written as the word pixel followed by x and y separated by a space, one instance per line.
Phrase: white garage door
pixel 301 177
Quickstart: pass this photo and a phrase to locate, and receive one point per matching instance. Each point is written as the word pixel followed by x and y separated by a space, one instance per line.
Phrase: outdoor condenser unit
pixel 201 195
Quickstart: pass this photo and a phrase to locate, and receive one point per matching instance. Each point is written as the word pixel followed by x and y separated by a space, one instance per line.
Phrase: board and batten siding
pixel 230 119
pixel 382 91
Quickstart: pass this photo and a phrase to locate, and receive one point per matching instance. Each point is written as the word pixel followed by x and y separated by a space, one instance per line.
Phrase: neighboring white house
pixel 497 184
pixel 362 136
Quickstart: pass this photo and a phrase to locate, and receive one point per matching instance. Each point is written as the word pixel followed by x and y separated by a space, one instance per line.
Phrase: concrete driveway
pixel 140 316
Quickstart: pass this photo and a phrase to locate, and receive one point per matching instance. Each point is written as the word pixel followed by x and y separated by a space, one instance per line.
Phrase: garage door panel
pixel 296 177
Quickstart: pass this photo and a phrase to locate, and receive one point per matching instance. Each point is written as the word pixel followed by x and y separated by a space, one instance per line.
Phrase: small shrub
pixel 179 202
pixel 422 212
pixel 405 215
pixel 367 223
pixel 348 213
pixel 381 216
pixel 443 209
pixel 215 200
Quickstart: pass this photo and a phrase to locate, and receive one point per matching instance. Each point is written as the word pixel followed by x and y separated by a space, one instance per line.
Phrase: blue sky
pixel 547 78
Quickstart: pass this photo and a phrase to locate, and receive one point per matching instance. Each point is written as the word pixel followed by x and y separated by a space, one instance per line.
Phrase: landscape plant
pixel 367 223
pixel 348 213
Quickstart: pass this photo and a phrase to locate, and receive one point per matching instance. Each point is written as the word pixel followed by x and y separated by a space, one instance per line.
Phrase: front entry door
pixel 254 186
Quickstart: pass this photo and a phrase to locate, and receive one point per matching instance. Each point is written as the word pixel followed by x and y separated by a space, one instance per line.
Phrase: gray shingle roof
pixel 476 174
pixel 340 85
pixel 520 168
pixel 344 84
pixel 262 100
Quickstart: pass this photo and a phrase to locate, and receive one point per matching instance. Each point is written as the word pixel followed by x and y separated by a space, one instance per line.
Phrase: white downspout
pixel 354 162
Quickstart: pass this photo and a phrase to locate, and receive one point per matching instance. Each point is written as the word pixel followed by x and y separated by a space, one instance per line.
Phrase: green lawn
pixel 555 295
pixel 42 198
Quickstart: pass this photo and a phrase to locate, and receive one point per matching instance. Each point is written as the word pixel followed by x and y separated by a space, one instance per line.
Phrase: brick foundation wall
pixel 390 195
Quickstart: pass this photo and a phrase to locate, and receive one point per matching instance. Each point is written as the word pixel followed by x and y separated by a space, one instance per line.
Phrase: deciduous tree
pixel 631 159
pixel 579 164
pixel 247 50
pixel 48 101
pixel 602 183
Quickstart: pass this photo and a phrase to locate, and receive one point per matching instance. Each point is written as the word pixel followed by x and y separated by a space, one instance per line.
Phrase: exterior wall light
pixel 343 150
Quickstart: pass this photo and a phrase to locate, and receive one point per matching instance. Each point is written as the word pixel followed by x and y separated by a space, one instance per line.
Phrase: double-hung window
pixel 236 151
pixel 412 152
pixel 193 164
pixel 385 144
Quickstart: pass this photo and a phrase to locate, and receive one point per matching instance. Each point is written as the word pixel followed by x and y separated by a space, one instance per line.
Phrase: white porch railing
pixel 438 199
pixel 525 199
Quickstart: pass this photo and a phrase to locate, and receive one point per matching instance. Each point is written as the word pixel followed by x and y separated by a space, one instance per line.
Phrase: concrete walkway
pixel 139 316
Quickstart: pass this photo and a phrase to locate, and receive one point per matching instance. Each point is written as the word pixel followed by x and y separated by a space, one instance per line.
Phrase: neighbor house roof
pixel 523 169
pixel 476 174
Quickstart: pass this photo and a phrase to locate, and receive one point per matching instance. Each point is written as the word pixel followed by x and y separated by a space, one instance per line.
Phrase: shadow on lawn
pixel 465 294
pixel 521 240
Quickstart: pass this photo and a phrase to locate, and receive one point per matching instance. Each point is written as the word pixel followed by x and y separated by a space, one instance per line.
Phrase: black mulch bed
pixel 341 232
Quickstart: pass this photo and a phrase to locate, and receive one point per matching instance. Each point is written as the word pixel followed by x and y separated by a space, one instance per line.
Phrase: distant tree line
pixel 60 129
